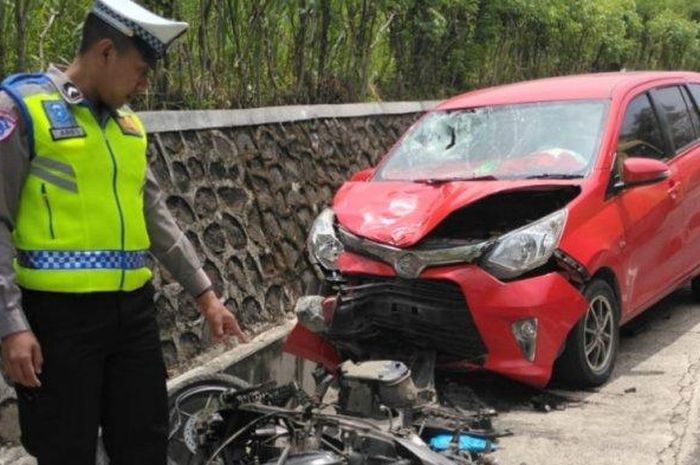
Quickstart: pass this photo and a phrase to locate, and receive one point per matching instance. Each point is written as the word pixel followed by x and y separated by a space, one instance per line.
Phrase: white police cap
pixel 133 20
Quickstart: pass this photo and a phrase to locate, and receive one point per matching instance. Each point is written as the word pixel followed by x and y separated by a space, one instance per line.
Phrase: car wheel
pixel 186 406
pixel 591 347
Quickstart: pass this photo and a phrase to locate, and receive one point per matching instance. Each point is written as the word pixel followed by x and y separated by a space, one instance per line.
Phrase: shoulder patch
pixel 8 123
pixel 63 123
pixel 128 126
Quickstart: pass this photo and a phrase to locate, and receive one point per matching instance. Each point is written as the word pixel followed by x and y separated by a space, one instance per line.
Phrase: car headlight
pixel 323 245
pixel 526 248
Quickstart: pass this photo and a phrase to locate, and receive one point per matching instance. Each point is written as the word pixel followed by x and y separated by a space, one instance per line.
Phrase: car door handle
pixel 674 187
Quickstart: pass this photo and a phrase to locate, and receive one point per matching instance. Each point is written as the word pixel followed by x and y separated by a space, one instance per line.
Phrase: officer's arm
pixel 14 166
pixel 21 352
pixel 169 244
pixel 172 248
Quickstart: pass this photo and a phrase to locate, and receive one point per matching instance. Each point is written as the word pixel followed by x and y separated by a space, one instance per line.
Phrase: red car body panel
pixel 403 213
pixel 583 87
pixel 646 238
pixel 306 344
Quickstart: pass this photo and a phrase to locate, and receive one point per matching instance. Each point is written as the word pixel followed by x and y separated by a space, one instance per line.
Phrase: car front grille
pixel 426 314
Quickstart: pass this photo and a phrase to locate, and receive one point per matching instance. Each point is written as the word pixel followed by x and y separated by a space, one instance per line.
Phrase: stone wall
pixel 246 197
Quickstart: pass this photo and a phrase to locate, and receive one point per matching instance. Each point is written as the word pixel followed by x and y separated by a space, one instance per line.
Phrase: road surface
pixel 648 414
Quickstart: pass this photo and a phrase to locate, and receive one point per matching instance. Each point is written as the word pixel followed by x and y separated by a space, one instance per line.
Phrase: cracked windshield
pixel 523 141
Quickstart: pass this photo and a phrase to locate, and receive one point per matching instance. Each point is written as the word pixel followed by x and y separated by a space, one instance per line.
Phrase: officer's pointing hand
pixel 21 355
pixel 222 322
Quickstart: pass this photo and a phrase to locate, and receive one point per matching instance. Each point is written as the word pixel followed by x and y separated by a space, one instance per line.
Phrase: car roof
pixel 575 87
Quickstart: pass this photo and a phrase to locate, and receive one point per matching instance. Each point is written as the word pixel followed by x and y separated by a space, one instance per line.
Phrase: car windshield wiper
pixel 453 179
pixel 555 176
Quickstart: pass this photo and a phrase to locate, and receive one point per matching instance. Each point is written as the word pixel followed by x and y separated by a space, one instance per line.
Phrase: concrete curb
pixel 222 362
pixel 169 121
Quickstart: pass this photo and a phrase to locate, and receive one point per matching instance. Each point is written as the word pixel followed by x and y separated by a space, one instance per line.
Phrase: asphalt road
pixel 648 414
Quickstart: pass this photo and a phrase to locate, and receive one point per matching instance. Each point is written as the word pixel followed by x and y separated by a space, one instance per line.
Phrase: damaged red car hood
pixel 401 213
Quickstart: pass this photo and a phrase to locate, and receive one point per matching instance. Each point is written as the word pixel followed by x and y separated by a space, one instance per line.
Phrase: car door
pixel 689 166
pixel 652 215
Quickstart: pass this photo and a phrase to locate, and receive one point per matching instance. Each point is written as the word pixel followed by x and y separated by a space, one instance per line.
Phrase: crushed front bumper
pixel 492 307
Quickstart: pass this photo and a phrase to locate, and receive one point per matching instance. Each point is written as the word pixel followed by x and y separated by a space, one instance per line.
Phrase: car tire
pixel 186 401
pixel 591 347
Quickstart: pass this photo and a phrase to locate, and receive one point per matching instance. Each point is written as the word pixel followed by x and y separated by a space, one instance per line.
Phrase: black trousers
pixel 103 366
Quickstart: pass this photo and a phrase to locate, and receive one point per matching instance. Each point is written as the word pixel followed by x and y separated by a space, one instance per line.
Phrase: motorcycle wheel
pixel 196 399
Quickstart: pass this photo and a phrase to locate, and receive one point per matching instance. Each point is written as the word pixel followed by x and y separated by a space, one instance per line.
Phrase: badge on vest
pixel 129 126
pixel 8 123
pixel 63 123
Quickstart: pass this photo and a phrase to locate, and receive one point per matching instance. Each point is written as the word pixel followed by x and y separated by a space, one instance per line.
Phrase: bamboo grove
pixel 249 53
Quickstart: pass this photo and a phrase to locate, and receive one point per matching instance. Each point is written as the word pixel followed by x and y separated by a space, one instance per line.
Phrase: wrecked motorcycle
pixel 367 413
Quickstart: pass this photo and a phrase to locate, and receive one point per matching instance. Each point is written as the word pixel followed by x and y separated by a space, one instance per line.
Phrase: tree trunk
pixel 22 9
pixel 323 47
pixel 300 48
pixel 4 36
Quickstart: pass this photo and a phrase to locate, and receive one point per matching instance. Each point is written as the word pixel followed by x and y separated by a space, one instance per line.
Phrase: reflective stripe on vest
pixel 81 259
pixel 80 225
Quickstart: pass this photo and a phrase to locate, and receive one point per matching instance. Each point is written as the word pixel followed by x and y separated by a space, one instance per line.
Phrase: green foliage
pixel 247 53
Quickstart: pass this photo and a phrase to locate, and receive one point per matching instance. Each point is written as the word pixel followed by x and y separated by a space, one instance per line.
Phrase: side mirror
pixel 362 176
pixel 638 171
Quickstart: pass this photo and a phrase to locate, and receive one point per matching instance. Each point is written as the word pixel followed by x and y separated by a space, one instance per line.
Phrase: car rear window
pixel 640 135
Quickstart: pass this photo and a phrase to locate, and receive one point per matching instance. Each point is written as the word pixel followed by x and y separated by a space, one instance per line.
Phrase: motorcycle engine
pixel 368 389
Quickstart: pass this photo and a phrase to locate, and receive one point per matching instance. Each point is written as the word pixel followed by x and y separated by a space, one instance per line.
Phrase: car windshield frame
pixel 411 156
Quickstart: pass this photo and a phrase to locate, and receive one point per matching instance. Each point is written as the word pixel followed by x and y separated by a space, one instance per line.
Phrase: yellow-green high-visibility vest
pixel 80 225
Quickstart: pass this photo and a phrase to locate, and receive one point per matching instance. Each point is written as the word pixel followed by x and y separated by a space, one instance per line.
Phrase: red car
pixel 515 228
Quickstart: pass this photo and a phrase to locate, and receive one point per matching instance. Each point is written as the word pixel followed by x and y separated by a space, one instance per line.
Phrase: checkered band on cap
pixel 116 19
pixel 81 259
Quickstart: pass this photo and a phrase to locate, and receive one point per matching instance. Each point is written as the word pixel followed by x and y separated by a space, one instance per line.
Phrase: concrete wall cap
pixel 188 120
pixel 235 355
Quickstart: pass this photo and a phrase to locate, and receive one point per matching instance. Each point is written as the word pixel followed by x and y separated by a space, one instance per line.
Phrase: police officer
pixel 79 211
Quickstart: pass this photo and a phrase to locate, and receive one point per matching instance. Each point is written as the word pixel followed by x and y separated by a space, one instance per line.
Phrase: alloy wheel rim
pixel 183 422
pixel 599 333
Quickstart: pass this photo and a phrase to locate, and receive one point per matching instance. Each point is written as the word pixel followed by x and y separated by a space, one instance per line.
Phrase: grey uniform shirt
pixel 169 244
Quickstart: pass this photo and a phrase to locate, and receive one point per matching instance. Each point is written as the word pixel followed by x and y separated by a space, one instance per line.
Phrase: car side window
pixel 670 104
pixel 694 90
pixel 693 110
pixel 640 135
